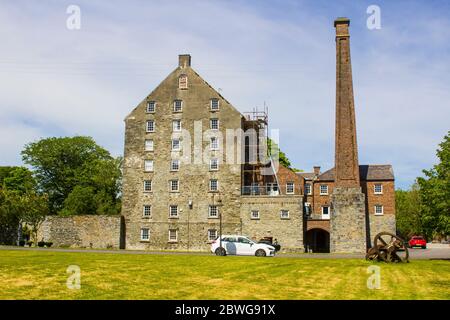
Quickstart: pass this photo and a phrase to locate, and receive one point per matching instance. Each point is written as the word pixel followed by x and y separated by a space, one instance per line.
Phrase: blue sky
pixel 59 82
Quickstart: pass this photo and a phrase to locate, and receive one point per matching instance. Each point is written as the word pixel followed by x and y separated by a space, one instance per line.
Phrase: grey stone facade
pixel 193 198
pixel 348 221
pixel 381 223
pixel 287 230
pixel 83 231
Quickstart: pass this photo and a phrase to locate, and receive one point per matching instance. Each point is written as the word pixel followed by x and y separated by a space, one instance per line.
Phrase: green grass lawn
pixel 42 275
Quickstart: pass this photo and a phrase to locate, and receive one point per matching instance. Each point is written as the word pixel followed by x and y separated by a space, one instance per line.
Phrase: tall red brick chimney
pixel 346 150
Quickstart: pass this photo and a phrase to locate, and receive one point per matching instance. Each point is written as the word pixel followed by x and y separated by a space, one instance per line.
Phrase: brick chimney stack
pixel 346 150
pixel 348 216
pixel 316 170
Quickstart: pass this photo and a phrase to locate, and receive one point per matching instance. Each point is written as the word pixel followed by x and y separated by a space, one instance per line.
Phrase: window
pixel 174 185
pixel 308 188
pixel 214 164
pixel 323 189
pixel 178 106
pixel 212 234
pixel 284 214
pixel 214 143
pixel 176 125
pixel 214 104
pixel 173 235
pixel 213 185
pixel 173 211
pixel 150 126
pixel 290 188
pixel 378 210
pixel 213 211
pixel 183 82
pixel 147 185
pixel 176 145
pixel 378 188
pixel 149 145
pixel 147 210
pixel 325 212
pixel 214 124
pixel 175 165
pixel 145 234
pixel 148 165
pixel 254 214
pixel 151 106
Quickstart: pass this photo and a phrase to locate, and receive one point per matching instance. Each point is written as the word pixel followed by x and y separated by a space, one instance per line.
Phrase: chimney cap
pixel 184 60
pixel 342 20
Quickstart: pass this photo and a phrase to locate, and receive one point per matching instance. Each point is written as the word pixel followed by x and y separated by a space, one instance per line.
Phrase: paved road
pixel 439 253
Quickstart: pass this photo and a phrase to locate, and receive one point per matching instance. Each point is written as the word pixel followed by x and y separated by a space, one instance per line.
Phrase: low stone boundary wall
pixel 83 231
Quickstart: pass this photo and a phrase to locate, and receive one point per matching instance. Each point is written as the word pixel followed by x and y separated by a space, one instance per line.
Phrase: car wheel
pixel 260 253
pixel 220 252
pixel 424 247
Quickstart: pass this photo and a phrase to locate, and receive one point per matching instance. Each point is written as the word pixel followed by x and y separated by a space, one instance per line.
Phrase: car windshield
pixel 417 238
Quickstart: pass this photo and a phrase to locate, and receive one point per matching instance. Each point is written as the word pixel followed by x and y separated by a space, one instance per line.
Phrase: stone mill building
pixel 195 167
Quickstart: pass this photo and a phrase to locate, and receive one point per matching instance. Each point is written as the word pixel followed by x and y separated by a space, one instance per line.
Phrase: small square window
pixel 176 125
pixel 173 211
pixel 173 235
pixel 308 188
pixel 214 104
pixel 149 145
pixel 284 214
pixel 214 143
pixel 151 106
pixel 148 165
pixel 323 189
pixel 290 188
pixel 147 185
pixel 145 234
pixel 214 124
pixel 213 185
pixel 178 106
pixel 255 214
pixel 378 188
pixel 379 210
pixel 213 211
pixel 212 234
pixel 150 126
pixel 214 164
pixel 175 165
pixel 174 185
pixel 147 211
pixel 176 144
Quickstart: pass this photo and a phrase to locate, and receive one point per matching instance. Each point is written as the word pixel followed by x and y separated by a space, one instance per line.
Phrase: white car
pixel 241 245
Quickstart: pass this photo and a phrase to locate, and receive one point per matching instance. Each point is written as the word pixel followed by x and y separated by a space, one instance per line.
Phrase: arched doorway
pixel 318 240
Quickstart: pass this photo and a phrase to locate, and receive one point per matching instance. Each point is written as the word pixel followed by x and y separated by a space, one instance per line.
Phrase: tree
pixel 274 149
pixel 17 183
pixel 62 164
pixel 408 213
pixel 435 193
pixel 34 210
pixel 10 211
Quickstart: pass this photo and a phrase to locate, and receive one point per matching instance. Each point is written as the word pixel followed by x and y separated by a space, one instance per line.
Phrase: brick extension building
pixel 183 184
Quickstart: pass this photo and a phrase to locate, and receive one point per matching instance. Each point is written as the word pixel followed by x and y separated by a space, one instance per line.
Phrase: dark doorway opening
pixel 318 240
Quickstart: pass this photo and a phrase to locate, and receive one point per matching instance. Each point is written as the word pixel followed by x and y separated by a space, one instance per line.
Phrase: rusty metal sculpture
pixel 388 251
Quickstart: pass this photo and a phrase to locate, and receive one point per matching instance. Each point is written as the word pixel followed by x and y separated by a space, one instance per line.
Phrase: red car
pixel 417 241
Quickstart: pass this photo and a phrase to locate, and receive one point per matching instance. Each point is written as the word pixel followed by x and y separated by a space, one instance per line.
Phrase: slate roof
pixel 306 175
pixel 366 173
